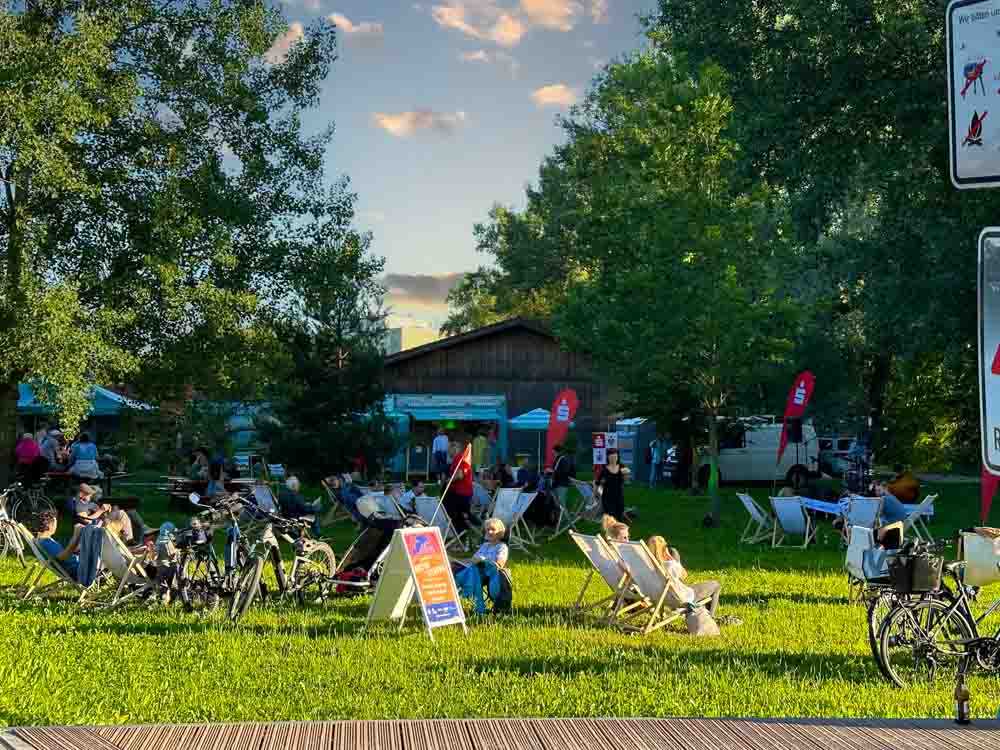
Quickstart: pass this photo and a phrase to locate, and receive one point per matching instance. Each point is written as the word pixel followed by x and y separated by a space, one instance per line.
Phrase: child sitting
pixel 672 565
pixel 45 526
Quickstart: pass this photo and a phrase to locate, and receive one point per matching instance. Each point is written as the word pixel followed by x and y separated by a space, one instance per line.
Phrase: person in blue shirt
pixel 893 510
pixel 45 527
pixel 485 566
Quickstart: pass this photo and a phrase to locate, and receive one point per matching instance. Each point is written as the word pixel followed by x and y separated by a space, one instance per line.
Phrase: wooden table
pixel 521 734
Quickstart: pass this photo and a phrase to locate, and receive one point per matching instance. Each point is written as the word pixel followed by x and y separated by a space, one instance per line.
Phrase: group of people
pixel 48 450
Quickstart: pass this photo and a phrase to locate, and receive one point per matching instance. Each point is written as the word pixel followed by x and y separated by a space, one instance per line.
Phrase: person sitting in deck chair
pixel 294 505
pixel 614 530
pixel 486 570
pixel 85 508
pixel 671 562
pixel 44 527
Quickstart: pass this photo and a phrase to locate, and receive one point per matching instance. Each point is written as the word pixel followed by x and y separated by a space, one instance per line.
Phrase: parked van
pixel 748 452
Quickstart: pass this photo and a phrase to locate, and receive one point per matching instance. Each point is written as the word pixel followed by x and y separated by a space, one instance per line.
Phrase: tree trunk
pixel 8 430
pixel 713 474
pixel 877 386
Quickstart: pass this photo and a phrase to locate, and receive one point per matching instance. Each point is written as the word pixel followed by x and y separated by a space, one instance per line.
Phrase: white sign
pixel 417 566
pixel 989 346
pixel 973 49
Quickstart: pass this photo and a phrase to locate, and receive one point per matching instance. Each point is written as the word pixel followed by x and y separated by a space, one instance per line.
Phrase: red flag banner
pixel 798 399
pixel 987 489
pixel 563 412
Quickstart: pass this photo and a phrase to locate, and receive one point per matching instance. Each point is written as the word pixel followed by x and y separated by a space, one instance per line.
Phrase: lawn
pixel 801 650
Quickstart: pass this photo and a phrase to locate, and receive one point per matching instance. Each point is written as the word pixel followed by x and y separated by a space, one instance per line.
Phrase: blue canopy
pixel 103 403
pixel 536 419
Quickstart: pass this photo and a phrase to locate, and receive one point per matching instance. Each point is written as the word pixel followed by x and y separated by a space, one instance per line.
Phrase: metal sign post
pixel 989 346
pixel 973 49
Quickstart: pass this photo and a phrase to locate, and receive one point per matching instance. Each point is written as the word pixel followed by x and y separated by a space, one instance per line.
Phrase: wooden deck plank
pixel 520 734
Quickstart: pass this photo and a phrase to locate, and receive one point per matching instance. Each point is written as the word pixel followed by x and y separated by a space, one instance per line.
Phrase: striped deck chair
pixel 509 506
pixel 46 564
pixel 660 604
pixel 605 563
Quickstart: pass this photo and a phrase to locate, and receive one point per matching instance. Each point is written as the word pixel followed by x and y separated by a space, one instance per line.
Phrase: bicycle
pixel 919 640
pixel 28 502
pixel 10 540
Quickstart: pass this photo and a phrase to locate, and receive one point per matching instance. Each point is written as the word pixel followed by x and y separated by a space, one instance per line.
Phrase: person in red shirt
pixel 458 501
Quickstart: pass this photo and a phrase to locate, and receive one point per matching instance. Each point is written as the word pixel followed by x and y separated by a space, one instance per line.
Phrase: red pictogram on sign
pixel 995 369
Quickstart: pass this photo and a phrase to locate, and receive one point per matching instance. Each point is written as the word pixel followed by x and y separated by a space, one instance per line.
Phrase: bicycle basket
pixel 915 573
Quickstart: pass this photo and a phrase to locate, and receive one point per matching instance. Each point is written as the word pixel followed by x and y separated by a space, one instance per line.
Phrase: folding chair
pixel 590 504
pixel 864 511
pixel 264 497
pixel 791 519
pixel 509 506
pixel 660 601
pixel 606 564
pixel 432 511
pixel 916 522
pixel 760 527
pixel 44 563
pixel 862 540
pixel 337 511
pixel 482 500
pixel 126 568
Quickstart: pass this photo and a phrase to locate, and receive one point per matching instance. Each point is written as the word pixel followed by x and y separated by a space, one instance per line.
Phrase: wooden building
pixel 518 359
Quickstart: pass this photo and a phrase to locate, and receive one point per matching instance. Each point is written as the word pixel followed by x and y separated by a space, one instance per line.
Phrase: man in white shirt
pixel 439 454
pixel 408 501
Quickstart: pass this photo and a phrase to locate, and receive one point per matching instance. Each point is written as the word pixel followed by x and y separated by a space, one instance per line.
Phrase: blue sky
pixel 443 109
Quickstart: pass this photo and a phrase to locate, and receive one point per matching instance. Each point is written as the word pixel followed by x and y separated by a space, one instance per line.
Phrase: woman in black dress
pixel 612 484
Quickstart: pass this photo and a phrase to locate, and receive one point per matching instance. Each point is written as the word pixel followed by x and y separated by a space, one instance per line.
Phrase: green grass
pixel 801 650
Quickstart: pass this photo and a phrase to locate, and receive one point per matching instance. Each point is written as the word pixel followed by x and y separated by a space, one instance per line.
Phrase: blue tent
pixel 537 420
pixel 103 403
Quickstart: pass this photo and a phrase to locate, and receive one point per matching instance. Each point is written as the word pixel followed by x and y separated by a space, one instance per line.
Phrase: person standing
pixel 562 472
pixel 458 500
pixel 479 452
pixel 439 454
pixel 655 460
pixel 611 483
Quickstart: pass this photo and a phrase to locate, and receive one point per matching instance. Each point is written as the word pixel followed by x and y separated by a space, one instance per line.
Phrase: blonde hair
pixel 658 546
pixel 613 528
pixel 118 523
pixel 496 523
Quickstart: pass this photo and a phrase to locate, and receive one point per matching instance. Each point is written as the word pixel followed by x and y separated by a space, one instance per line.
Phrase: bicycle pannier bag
pixel 982 557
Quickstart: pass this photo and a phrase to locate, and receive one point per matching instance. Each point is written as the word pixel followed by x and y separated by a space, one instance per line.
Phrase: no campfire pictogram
pixel 975 134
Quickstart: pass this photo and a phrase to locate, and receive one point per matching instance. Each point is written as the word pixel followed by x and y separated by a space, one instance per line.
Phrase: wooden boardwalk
pixel 520 734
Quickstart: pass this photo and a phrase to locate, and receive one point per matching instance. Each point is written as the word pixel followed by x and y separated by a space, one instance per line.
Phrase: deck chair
pixel 509 506
pixel 432 511
pixel 337 511
pixel 126 569
pixel 481 499
pixel 863 511
pixel 862 540
pixel 791 519
pixel 606 564
pixel 660 601
pixel 590 504
pixel 45 564
pixel 760 527
pixel 915 520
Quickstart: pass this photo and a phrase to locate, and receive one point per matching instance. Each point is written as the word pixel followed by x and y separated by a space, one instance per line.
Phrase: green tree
pixel 155 180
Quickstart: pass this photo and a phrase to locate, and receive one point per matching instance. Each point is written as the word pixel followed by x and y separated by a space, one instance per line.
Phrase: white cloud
pixel 344 24
pixel 403 124
pixel 588 43
pixel 481 19
pixel 552 14
pixel 279 50
pixel 555 95
pixel 376 217
pixel 498 57
pixel 599 11
pixel 596 62
pixel 478 56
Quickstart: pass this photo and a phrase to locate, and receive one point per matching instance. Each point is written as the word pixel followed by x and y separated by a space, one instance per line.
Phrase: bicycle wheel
pixel 879 606
pixel 919 643
pixel 200 584
pixel 311 571
pixel 246 588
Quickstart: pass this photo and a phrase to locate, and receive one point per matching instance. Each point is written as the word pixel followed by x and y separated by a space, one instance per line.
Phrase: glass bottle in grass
pixel 962 715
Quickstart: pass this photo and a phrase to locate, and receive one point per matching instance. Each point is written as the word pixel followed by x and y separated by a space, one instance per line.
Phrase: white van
pixel 748 452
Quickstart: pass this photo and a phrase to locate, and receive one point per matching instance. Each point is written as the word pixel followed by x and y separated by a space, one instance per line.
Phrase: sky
pixel 443 109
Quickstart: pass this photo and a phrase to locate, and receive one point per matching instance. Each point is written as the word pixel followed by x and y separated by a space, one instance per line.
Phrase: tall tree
pixel 155 179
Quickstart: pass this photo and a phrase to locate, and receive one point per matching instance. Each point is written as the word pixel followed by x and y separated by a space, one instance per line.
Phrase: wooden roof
pixel 528 324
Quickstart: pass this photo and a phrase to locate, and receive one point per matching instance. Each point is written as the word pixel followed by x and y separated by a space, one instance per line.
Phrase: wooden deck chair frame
pixel 519 535
pixel 29 586
pixel 760 527
pixel 612 575
pixel 915 520
pixel 337 510
pixel 645 581
pixel 779 533
pixel 135 577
